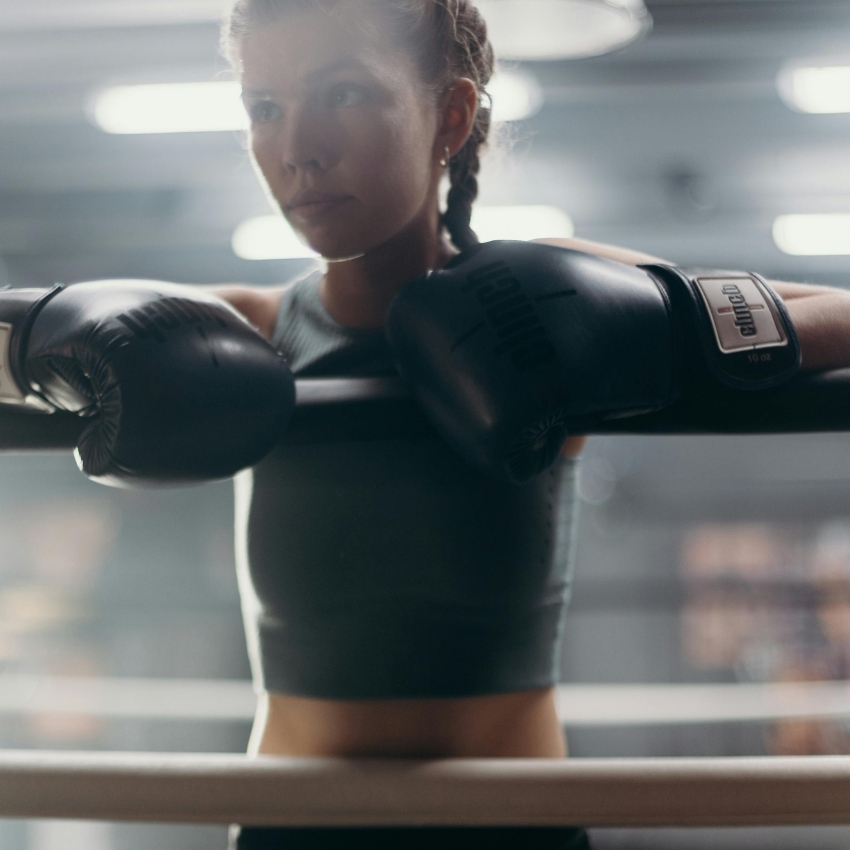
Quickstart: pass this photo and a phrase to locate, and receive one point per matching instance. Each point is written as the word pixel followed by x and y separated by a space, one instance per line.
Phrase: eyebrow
pixel 344 64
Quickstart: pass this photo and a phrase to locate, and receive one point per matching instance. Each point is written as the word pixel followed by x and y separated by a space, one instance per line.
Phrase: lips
pixel 311 204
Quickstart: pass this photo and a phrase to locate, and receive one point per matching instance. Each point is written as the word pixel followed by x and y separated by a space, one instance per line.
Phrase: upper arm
pixel 259 305
pixel 611 252
pixel 792 291
pixel 573 446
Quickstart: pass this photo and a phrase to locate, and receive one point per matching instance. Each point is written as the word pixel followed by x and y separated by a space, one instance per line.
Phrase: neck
pixel 357 293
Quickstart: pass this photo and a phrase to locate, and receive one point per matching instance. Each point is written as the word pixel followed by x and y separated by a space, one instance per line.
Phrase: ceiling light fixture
pixel 516 95
pixel 521 222
pixel 269 237
pixel 94 14
pixel 535 30
pixel 813 235
pixel 170 108
pixel 216 106
pixel 823 89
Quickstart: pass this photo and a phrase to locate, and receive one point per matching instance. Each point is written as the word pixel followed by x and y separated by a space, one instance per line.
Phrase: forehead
pixel 292 52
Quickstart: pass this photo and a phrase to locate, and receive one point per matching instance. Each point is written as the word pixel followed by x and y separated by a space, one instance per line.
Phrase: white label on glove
pixel 740 313
pixel 9 391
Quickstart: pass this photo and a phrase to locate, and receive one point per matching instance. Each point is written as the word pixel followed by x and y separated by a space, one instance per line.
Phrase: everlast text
pixel 512 315
pixel 743 314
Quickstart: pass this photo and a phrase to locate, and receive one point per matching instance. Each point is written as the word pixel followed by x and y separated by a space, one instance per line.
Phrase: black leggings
pixel 408 838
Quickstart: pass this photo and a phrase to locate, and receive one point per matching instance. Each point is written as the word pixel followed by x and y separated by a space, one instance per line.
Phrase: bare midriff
pixel 522 724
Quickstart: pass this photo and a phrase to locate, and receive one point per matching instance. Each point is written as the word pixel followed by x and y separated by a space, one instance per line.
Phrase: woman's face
pixel 341 128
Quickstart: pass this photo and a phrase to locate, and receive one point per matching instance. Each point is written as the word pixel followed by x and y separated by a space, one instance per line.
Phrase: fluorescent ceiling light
pixel 521 222
pixel 16 16
pixel 813 235
pixel 563 29
pixel 515 96
pixel 577 705
pixel 217 107
pixel 269 237
pixel 170 108
pixel 816 89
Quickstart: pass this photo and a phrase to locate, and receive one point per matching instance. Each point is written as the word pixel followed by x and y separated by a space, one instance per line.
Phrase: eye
pixel 347 94
pixel 263 112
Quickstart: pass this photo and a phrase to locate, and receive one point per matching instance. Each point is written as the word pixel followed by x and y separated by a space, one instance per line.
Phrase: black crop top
pixel 388 568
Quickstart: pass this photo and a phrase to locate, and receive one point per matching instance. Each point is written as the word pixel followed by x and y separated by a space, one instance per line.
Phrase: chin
pixel 339 250
pixel 338 253
pixel 339 241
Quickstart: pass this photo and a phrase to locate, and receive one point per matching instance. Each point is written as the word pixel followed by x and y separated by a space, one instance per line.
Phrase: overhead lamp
pixel 170 108
pixel 816 89
pixel 516 95
pixel 217 106
pixel 269 237
pixel 825 234
pixel 535 30
pixel 521 222
pixel 57 15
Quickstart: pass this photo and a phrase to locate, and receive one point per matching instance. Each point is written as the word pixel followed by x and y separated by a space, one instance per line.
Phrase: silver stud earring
pixel 446 157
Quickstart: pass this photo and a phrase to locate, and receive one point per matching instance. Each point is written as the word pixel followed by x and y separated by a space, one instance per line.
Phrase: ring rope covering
pixel 267 790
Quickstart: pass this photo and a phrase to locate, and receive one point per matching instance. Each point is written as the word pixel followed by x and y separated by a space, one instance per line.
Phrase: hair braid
pixel 464 168
pixel 448 40
pixel 469 54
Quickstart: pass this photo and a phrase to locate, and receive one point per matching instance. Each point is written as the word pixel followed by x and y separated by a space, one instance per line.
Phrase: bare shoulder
pixel 612 252
pixel 258 304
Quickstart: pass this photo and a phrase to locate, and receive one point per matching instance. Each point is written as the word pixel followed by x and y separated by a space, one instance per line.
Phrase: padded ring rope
pixel 375 408
pixel 816 402
pixel 336 792
pixel 592 706
pixel 167 788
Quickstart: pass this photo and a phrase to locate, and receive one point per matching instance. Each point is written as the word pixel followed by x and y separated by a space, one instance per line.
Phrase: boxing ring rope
pixel 166 788
pixel 593 706
pixel 684 792
pixel 328 408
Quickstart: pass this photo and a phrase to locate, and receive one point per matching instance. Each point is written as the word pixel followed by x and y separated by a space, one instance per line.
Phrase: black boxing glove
pixel 176 386
pixel 516 345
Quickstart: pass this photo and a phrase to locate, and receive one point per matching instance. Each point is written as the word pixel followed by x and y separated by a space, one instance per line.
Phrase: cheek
pixel 262 153
pixel 394 162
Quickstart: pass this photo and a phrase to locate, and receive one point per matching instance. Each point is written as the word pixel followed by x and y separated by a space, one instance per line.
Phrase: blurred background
pixel 722 563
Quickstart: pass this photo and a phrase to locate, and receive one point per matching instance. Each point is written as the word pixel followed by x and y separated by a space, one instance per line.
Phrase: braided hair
pixel 448 40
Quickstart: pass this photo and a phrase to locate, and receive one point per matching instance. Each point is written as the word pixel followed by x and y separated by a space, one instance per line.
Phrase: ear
pixel 459 108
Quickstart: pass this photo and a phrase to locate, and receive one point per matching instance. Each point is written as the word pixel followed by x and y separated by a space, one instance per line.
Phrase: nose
pixel 305 144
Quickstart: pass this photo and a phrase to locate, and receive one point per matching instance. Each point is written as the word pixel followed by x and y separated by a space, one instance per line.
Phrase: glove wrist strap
pixel 18 309
pixel 746 335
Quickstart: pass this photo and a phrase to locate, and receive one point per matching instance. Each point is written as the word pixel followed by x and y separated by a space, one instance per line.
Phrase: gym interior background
pixel 720 560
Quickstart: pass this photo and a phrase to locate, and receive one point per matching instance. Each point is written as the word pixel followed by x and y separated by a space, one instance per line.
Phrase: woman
pixel 358 109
